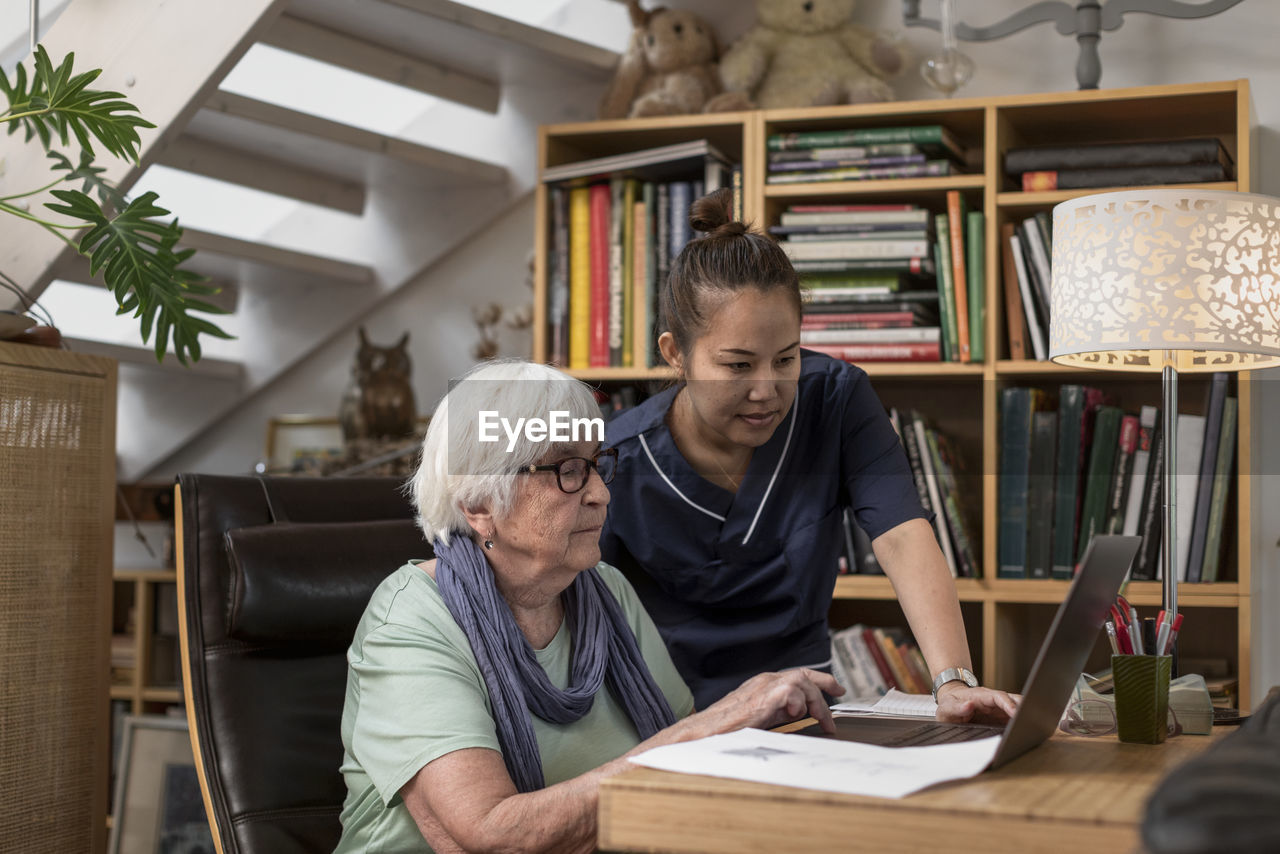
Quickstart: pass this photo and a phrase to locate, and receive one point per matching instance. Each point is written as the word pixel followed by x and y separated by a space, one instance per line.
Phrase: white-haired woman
pixel 491 690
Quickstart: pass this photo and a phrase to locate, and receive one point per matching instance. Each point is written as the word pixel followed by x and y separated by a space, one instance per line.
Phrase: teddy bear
pixel 808 53
pixel 668 68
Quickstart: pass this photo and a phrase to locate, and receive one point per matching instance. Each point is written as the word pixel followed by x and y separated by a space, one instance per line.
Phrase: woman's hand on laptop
pixel 958 703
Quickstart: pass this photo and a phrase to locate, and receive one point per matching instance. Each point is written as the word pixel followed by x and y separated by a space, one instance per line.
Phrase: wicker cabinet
pixel 57 484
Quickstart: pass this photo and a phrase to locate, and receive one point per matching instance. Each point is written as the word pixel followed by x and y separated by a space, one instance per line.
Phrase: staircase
pixel 376 208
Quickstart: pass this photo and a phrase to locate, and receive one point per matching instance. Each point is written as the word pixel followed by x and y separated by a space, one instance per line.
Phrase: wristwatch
pixel 954 674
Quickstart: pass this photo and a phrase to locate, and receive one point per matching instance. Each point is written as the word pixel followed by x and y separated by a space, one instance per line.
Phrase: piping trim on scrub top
pixel 781 457
pixel 674 488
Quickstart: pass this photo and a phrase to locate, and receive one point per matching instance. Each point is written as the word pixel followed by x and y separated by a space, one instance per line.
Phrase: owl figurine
pixel 378 402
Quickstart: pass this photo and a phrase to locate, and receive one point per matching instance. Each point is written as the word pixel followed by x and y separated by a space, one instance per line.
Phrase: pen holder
pixel 1142 697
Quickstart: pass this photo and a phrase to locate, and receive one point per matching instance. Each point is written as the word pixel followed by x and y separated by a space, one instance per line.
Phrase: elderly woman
pixel 491 690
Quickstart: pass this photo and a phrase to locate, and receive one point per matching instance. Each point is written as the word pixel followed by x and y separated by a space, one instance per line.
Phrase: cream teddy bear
pixel 668 68
pixel 803 53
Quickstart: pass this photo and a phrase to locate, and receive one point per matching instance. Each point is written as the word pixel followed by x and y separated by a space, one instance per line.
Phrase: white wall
pixel 1146 50
pixel 435 309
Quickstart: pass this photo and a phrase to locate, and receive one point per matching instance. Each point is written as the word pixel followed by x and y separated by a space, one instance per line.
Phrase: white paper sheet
pixel 805 762
pixel 895 703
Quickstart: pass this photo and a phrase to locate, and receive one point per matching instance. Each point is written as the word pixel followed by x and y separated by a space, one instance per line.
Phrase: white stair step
pixel 332 148
pixel 472 42
pixel 145 357
pixel 403 67
pixel 271 256
pixel 262 171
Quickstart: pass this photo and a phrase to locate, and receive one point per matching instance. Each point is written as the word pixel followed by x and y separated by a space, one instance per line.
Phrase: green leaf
pixel 59 101
pixel 91 176
pixel 135 251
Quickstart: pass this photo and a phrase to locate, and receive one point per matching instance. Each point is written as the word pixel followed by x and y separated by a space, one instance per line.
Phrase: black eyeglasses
pixel 572 473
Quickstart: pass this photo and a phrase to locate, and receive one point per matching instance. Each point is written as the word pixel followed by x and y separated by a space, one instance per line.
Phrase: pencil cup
pixel 1142 697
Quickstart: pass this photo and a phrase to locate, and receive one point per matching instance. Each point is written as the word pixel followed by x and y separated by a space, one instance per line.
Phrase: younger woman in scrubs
pixel 726 509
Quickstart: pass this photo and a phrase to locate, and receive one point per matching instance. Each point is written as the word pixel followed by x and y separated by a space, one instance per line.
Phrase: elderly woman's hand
pixel 770 699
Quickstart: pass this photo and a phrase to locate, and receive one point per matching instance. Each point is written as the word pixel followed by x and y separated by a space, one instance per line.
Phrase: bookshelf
pixel 1006 619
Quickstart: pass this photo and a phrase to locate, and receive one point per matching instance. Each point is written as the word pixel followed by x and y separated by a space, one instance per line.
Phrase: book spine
pixel 858 320
pixel 910 216
pixel 1097 482
pixel 918 265
pixel 844 660
pixel 1025 290
pixel 1114 155
pixel 893 335
pixel 885 281
pixel 599 275
pixel 1138 478
pixel 907 436
pixel 928 169
pixel 736 182
pixel 848 152
pixel 893 658
pixel 935 497
pixel 858 238
pixel 1186 484
pixel 821 250
pixel 858 136
pixel 872 642
pixel 956 215
pixel 810 165
pixel 1016 407
pixel 681 232
pixel 639 344
pixel 1145 565
pixel 920 352
pixel 966 564
pixel 1122 471
pixel 946 289
pixel 579 278
pixel 840 294
pixel 856 642
pixel 1073 179
pixel 617 273
pixel 1221 489
pixel 1071 414
pixel 558 293
pixel 976 253
pixel 1204 486
pixel 1038 266
pixel 837 230
pixel 1015 320
pixel 1044 437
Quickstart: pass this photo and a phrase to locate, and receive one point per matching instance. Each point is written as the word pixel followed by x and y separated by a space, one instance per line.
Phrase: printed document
pixel 805 762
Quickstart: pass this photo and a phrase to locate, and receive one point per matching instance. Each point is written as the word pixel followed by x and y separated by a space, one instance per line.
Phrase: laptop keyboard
pixel 935 733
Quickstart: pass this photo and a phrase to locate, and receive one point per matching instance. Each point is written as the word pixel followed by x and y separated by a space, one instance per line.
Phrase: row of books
pixel 862 263
pixel 1128 164
pixel 1026 249
pixel 936 468
pixel 862 154
pixel 616 224
pixel 1087 467
pixel 869 661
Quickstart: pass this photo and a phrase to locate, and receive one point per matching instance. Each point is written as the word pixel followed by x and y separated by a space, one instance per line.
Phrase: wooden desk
pixel 1070 794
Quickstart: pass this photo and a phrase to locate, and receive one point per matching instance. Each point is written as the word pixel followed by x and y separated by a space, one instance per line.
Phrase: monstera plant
pixel 132 242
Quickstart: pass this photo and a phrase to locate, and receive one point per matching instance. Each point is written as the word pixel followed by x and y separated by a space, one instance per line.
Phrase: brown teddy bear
pixel 809 53
pixel 668 69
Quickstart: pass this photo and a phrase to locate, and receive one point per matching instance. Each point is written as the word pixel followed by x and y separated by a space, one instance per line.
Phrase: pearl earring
pixel 488 544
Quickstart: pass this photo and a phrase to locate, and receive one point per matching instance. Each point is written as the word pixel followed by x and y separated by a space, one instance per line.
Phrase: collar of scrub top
pixel 739 513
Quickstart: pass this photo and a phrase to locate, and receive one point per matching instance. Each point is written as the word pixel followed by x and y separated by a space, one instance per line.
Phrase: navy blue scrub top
pixel 740 584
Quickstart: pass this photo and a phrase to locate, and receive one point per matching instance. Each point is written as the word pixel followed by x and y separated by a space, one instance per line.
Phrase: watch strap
pixel 954 674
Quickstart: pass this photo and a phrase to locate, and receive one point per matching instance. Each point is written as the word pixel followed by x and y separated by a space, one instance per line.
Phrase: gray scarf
pixel 603 648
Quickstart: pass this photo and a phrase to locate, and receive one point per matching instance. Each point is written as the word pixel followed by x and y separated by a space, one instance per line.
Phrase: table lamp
pixel 1170 281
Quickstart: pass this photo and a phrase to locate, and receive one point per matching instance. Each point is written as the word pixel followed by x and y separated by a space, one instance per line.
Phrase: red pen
pixel 1173 633
pixel 1122 634
pixel 1162 633
pixel 1130 615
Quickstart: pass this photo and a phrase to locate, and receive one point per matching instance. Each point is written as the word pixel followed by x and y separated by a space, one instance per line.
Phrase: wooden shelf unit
pixel 1006 619
pixel 137 587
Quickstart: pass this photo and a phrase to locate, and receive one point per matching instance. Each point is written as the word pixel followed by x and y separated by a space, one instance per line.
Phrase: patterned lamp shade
pixel 1141 272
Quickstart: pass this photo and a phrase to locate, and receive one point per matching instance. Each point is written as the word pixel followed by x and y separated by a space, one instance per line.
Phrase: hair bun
pixel 713 215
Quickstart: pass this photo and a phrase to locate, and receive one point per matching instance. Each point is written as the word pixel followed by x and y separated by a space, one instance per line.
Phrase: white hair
pixel 457 470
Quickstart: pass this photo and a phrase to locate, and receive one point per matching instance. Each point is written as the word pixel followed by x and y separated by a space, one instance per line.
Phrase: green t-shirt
pixel 415 693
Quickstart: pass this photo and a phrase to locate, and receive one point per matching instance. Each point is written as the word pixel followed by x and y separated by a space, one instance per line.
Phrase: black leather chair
pixel 273 576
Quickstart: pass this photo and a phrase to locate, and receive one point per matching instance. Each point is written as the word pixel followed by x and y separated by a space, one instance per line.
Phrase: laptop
pixel 1058 665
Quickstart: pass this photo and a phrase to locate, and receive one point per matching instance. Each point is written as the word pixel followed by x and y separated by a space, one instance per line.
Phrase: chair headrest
pixel 310 583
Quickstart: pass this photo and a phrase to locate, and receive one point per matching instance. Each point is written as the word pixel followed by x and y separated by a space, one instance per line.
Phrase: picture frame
pixel 298 442
pixel 159 808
